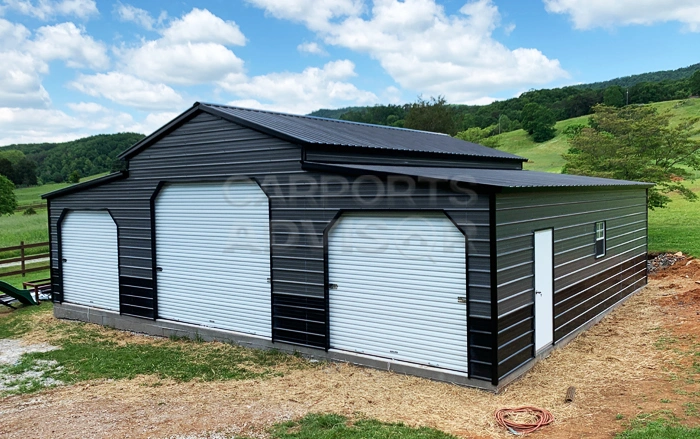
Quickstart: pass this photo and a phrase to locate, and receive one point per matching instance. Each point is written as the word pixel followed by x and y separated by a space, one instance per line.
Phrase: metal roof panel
pixel 502 178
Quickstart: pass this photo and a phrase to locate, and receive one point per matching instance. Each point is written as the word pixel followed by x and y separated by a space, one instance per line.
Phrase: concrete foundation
pixel 167 328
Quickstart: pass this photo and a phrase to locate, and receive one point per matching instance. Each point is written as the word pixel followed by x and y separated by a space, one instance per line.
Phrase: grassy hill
pixel 671 229
pixel 547 156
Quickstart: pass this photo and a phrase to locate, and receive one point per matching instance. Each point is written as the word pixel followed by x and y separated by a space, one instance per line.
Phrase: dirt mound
pixel 683 268
pixel 688 298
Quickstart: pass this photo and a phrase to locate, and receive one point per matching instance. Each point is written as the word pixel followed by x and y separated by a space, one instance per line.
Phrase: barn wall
pixel 584 286
pixel 302 205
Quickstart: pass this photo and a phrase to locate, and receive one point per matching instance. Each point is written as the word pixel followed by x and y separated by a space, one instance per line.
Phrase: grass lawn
pixel 88 352
pixel 330 426
pixel 27 228
pixel 676 227
pixel 546 156
pixel 660 429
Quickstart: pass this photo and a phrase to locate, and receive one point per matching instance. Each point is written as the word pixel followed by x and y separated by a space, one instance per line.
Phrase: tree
pixel 433 115
pixel 8 201
pixel 25 173
pixel 6 168
pixel 74 177
pixel 637 143
pixel 614 97
pixel 539 122
pixel 695 83
pixel 479 136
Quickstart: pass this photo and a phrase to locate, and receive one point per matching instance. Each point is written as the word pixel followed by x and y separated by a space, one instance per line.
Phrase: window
pixel 600 239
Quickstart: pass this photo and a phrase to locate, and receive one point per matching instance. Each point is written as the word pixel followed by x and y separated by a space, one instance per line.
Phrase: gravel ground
pixel 12 350
pixel 10 353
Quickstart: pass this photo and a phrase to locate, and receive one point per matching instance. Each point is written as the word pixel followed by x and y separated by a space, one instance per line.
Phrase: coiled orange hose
pixel 544 417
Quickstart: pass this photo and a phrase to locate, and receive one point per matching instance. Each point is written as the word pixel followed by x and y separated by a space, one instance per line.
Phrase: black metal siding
pixel 379 157
pixel 302 205
pixel 584 286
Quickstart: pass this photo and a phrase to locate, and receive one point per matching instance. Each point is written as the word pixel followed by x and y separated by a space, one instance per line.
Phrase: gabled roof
pixel 498 178
pixel 308 130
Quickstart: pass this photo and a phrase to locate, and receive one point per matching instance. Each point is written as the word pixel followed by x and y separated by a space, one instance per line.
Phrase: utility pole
pixel 628 96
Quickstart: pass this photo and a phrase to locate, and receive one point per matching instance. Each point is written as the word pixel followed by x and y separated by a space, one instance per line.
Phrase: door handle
pixel 538 292
pixel 159 269
pixel 461 300
pixel 64 260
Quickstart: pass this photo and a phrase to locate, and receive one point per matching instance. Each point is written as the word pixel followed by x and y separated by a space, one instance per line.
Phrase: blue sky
pixel 72 68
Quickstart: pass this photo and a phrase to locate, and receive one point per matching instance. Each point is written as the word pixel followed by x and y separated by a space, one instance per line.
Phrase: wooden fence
pixel 21 261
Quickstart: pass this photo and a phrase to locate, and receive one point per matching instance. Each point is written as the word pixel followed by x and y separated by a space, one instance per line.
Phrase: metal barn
pixel 391 248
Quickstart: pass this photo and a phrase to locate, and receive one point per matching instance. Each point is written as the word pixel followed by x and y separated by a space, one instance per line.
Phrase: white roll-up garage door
pixel 395 286
pixel 90 259
pixel 213 256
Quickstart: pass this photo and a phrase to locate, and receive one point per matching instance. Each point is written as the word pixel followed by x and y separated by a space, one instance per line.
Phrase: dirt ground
pixel 638 360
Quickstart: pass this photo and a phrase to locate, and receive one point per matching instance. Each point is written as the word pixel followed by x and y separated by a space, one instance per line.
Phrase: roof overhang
pixel 503 179
pixel 86 185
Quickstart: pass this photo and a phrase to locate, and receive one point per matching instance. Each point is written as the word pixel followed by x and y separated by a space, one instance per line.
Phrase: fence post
pixel 21 255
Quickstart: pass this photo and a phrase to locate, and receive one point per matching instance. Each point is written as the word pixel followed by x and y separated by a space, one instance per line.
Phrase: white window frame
pixel 600 236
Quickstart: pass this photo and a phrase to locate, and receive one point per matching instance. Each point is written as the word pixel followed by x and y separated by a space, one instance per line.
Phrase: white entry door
pixel 544 294
pixel 90 259
pixel 398 283
pixel 213 256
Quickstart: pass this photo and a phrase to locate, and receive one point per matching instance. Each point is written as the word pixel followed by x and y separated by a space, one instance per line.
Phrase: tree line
pixel 31 164
pixel 536 111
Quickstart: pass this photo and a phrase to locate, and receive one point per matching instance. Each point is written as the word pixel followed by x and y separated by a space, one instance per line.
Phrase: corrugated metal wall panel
pixel 303 204
pixel 89 259
pixel 583 285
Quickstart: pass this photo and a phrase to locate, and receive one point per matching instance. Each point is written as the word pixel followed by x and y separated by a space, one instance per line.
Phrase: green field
pixel 32 195
pixel 547 156
pixel 674 228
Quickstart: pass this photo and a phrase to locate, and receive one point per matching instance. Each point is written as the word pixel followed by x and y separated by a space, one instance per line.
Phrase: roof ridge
pixel 328 119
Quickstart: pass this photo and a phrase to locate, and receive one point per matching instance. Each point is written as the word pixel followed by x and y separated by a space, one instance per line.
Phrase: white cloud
pixel 301 93
pixel 129 91
pixel 313 48
pixel 130 13
pixel 315 14
pixel 46 9
pixel 87 107
pixel 192 50
pixel 392 95
pixel 201 26
pixel 185 64
pixel 20 81
pixel 21 125
pixel 423 48
pixel 12 34
pixel 587 14
pixel 67 42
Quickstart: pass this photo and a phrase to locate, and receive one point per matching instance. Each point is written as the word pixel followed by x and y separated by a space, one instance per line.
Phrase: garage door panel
pixel 213 247
pixel 398 278
pixel 90 269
